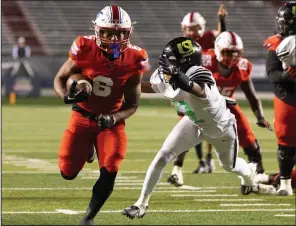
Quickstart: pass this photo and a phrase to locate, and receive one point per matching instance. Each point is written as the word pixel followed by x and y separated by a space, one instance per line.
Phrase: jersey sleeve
pixel 245 68
pixel 143 62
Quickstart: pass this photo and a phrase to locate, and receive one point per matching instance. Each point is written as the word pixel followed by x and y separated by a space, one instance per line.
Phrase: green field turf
pixel 34 193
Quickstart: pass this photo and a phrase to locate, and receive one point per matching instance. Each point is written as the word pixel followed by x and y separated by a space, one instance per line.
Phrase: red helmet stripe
pixel 191 17
pixel 115 14
pixel 233 38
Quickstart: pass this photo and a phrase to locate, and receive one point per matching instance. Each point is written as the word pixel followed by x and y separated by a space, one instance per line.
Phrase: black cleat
pixel 135 211
pixel 201 168
pixel 245 190
pixel 174 180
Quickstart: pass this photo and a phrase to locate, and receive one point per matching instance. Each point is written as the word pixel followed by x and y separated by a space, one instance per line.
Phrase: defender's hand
pixel 167 67
pixel 106 121
pixel 222 12
pixel 264 124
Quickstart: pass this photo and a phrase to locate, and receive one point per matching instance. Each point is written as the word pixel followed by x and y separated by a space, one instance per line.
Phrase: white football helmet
pixel 196 23
pixel 228 48
pixel 113 29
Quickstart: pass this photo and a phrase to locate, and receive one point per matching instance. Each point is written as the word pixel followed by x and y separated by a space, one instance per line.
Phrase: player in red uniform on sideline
pixel 115 68
pixel 284 81
pixel 193 26
pixel 230 71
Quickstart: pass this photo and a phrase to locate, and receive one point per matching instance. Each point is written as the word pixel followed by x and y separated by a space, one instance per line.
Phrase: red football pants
pixel 284 123
pixel 245 133
pixel 80 136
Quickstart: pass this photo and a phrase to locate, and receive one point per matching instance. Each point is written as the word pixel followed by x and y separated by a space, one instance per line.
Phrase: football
pixel 83 83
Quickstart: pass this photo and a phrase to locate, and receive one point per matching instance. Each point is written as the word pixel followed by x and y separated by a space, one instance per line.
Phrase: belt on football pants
pixel 84 113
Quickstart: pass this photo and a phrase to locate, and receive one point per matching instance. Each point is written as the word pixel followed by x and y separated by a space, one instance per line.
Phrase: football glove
pixel 72 96
pixel 178 78
pixel 106 121
pixel 264 124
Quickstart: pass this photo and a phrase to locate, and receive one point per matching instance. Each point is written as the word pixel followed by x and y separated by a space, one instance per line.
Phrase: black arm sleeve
pixel 222 24
pixel 274 68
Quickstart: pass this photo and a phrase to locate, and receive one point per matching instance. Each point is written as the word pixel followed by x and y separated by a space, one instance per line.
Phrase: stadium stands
pixel 57 23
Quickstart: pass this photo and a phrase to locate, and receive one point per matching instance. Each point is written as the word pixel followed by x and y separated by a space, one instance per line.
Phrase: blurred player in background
pixel 115 68
pixel 181 78
pixel 281 71
pixel 193 26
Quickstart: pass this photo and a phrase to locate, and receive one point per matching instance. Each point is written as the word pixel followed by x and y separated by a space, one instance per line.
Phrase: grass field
pixel 34 193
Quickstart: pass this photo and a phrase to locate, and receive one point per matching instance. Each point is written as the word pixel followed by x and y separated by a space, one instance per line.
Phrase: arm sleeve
pixel 274 68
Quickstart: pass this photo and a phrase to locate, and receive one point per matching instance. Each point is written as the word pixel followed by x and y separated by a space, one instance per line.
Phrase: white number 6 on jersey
pixel 102 86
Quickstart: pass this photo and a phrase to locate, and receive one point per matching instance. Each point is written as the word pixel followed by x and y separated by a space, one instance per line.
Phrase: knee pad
pixel 254 153
pixel 68 177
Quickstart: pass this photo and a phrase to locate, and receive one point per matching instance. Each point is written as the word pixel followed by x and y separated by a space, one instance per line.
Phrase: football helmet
pixel 113 29
pixel 193 25
pixel 228 48
pixel 285 20
pixel 183 53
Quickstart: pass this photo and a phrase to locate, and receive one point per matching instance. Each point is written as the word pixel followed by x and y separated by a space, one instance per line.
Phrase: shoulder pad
pixel 272 42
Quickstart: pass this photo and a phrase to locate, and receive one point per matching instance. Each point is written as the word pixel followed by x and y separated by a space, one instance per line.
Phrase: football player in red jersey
pixel 193 26
pixel 284 81
pixel 115 68
pixel 230 71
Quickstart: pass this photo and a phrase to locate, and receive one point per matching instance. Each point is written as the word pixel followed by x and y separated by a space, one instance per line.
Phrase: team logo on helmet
pixel 185 48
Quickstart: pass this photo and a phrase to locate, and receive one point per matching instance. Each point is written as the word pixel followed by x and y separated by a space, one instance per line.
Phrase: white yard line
pixel 158 189
pixel 285 215
pixel 227 200
pixel 254 204
pixel 66 211
pixel 207 195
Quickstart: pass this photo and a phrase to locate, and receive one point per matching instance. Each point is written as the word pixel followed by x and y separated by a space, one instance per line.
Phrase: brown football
pixel 83 83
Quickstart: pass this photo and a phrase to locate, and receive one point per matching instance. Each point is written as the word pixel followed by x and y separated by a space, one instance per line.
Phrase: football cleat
pixel 135 211
pixel 284 192
pixel 201 168
pixel 91 156
pixel 175 180
pixel 248 183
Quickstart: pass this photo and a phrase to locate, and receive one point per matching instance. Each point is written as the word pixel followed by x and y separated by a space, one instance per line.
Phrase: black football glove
pixel 264 124
pixel 106 121
pixel 178 78
pixel 72 96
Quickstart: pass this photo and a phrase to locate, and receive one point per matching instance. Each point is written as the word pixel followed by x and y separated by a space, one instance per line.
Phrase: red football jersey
pixel 227 85
pixel 109 77
pixel 207 41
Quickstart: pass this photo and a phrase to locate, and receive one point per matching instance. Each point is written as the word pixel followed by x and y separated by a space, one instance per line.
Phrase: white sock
pixel 176 170
pixel 241 168
pixel 262 178
pixel 285 184
pixel 153 175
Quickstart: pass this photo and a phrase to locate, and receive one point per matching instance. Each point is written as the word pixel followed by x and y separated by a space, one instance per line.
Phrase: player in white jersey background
pixel 181 79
